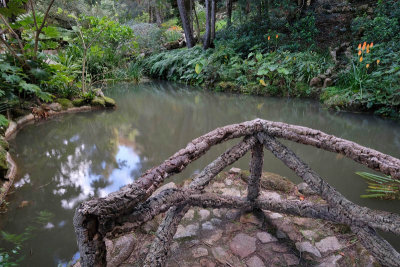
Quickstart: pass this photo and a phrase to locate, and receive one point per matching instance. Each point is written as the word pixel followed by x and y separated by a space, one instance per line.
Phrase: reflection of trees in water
pixel 157 119
pixel 68 151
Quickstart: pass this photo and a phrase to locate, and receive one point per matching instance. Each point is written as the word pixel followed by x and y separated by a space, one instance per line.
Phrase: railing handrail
pixel 95 218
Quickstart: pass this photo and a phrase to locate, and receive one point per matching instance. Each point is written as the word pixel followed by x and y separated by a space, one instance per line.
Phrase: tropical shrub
pixel 304 30
pixel 15 82
pixel 371 83
pixel 149 36
pixel 172 34
pixel 275 73
pixel 102 45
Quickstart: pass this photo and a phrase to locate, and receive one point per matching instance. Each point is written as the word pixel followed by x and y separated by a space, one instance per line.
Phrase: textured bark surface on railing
pixel 95 218
pixel 160 247
pixel 385 221
pixel 256 166
pixel 361 218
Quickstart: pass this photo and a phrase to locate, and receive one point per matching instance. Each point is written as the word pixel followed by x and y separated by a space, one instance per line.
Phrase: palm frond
pixel 381 186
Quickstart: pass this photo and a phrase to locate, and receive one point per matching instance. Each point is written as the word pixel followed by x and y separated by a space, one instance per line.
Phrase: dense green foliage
pixel 276 73
pixel 376 87
pixel 65 62
pixel 279 56
pixel 267 51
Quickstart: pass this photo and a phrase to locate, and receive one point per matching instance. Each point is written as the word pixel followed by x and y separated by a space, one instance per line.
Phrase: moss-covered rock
pixel 303 90
pixel 3 162
pixel 271 181
pixel 79 102
pixel 109 101
pixel 226 86
pixel 4 143
pixel 99 102
pixel 65 103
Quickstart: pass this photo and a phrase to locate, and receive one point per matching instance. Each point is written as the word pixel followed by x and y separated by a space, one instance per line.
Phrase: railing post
pixel 256 165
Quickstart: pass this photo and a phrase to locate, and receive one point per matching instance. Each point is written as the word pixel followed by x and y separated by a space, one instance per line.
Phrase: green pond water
pixel 66 160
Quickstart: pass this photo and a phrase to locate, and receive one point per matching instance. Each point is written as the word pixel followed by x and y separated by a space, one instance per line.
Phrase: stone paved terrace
pixel 221 237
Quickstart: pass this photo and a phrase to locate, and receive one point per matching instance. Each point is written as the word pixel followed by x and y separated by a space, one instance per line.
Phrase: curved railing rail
pixel 134 203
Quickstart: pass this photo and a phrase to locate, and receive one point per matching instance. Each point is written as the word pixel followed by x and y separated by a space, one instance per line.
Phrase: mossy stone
pixel 79 102
pixel 227 86
pixel 271 181
pixel 3 159
pixel 65 103
pixel 4 143
pixel 99 102
pixel 109 101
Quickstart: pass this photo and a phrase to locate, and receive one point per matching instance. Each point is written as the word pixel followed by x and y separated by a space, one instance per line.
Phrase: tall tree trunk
pixel 185 17
pixel 266 11
pixel 213 19
pixel 207 35
pixel 229 12
pixel 150 20
pixel 189 8
pixel 197 22
pixel 157 11
pixel 247 7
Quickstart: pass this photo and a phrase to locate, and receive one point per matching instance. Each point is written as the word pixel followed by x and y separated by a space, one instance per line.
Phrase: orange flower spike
pixel 363 47
pixel 359 52
pixel 359 46
pixel 277 36
pixel 367 50
pixel 367 66
pixel 361 59
pixel 371 45
pixel 365 44
pixel 269 38
pixel 378 61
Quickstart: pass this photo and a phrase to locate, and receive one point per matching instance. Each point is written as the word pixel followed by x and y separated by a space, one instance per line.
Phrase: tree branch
pixel 39 30
pixel 15 35
pixel 388 222
pixel 160 247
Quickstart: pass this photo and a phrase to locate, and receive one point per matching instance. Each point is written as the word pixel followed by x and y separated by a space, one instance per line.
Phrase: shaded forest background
pixel 344 53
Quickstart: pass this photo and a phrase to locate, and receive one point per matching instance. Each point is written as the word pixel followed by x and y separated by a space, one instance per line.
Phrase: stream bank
pixel 61 106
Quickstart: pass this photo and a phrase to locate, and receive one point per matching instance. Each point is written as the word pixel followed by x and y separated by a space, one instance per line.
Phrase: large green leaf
pixel 198 68
pixel 51 32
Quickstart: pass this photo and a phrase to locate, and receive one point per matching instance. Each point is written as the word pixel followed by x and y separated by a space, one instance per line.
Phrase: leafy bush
pixel 379 29
pixel 173 34
pixel 372 82
pixel 3 122
pixel 304 30
pixel 176 65
pixel 275 73
pixel 102 45
pixel 149 36
pixel 14 81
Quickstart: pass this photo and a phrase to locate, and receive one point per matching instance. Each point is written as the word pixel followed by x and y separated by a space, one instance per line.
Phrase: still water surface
pixel 66 160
